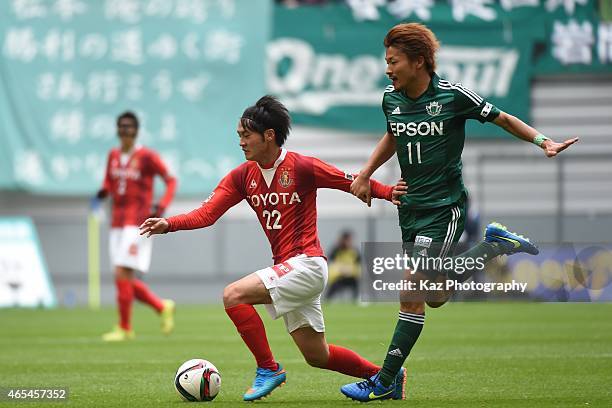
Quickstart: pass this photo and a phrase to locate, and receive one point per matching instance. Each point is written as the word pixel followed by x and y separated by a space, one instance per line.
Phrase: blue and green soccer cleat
pixel 265 382
pixel 512 242
pixel 372 389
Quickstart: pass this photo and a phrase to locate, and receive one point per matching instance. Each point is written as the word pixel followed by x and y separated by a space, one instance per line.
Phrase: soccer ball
pixel 197 380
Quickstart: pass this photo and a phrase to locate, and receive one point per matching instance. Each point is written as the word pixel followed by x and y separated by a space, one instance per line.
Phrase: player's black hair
pixel 128 115
pixel 268 113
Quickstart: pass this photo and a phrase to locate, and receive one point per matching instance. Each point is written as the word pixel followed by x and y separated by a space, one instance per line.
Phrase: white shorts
pixel 295 287
pixel 130 249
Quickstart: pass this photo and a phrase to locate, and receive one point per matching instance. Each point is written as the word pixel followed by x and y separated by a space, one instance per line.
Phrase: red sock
pixel 144 294
pixel 253 333
pixel 125 296
pixel 348 362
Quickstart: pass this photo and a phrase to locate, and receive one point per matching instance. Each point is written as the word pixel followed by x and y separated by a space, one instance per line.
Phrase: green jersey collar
pixel 431 88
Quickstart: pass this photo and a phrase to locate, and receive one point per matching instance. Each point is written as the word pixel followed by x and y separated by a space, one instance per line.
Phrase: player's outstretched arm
pixel 225 196
pixel 383 152
pixel 328 176
pixel 520 129
pixel 153 226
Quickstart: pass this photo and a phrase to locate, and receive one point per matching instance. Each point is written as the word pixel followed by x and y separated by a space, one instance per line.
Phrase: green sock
pixel 406 333
pixel 485 250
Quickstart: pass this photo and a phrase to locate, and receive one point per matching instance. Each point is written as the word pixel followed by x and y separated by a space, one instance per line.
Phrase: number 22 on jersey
pixel 272 219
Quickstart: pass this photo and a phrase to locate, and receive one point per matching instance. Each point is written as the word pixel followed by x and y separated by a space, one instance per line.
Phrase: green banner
pixel 68 68
pixel 327 63
pixel 577 43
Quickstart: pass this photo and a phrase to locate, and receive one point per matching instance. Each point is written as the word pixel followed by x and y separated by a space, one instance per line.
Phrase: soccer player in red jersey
pixel 281 187
pixel 130 173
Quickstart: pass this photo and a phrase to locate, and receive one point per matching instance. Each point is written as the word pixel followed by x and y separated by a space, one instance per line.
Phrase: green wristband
pixel 539 139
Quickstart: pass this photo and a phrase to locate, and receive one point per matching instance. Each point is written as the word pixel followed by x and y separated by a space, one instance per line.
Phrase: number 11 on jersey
pixel 418 152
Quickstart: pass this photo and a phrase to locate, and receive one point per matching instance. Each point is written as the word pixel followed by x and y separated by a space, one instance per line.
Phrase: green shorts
pixel 432 231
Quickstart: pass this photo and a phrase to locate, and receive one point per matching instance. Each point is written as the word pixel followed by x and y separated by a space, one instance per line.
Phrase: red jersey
pixel 130 184
pixel 283 197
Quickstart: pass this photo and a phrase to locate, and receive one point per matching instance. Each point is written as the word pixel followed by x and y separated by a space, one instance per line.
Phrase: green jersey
pixel 430 134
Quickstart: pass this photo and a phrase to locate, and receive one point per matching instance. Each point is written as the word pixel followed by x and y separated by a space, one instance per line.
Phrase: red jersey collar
pixel 278 161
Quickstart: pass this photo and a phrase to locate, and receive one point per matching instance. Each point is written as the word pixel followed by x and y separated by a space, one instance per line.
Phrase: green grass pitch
pixel 469 355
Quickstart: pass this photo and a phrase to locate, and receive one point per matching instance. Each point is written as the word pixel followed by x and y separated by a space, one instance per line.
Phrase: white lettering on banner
pixel 67 125
pixel 509 5
pixel 27 9
pixel 60 168
pixel 63 167
pixel 127 47
pixel 488 71
pixel 58 43
pixel 572 43
pixel 477 8
pixel 103 86
pixel 336 80
pixel 197 11
pixel 193 88
pixel 604 43
pixel 569 5
pixel 315 83
pixel 158 8
pixel 20 44
pixel 168 130
pixel 28 168
pixel 274 199
pixel 127 11
pixel 133 90
pixel 67 9
pixel 404 8
pixel 94 46
pixel 189 45
pixel 163 47
pixel 162 85
pixel 102 127
pixel 46 86
pixel 227 7
pixel 222 45
pixel 194 10
pixel 364 10
pixel 69 89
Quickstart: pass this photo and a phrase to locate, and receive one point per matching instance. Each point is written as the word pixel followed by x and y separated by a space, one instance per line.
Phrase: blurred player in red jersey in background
pixel 129 178
pixel 281 187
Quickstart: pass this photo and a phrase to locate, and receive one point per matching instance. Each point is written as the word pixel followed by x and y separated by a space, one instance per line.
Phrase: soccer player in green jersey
pixel 426 129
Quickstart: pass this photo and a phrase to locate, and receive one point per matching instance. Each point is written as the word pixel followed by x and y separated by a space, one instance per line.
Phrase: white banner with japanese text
pixel 188 68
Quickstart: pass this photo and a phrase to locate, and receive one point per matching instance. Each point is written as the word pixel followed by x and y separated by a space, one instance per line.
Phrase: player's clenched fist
pixel 153 226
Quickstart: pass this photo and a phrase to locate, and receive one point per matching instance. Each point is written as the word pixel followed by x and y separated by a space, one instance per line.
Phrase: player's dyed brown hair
pixel 414 40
